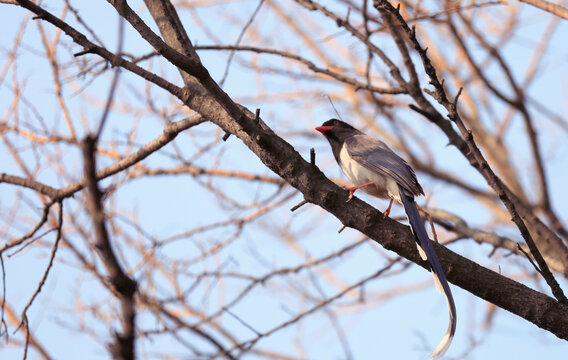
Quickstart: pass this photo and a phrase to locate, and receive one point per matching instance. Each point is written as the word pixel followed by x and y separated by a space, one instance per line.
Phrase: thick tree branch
pixel 278 155
pixel 503 292
pixel 282 158
pixel 473 153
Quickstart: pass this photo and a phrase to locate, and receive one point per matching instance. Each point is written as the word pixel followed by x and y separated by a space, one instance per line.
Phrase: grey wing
pixel 377 156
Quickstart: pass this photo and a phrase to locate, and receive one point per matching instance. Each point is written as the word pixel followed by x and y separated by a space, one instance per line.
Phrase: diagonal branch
pixel 90 47
pixel 282 158
pixel 238 42
pixel 24 317
pixel 169 133
pixel 29 183
pixel 473 153
pixel 549 7
pixel 278 155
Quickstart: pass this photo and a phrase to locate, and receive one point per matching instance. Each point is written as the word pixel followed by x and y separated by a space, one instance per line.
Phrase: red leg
pixel 388 210
pixel 353 188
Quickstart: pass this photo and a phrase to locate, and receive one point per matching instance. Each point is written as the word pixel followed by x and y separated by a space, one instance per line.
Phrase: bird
pixel 376 170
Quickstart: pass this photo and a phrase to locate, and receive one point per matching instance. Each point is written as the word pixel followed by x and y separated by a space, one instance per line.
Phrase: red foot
pixel 388 210
pixel 353 188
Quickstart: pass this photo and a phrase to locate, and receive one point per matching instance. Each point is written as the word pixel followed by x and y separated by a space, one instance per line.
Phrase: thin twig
pixel 114 82
pixel 333 105
pixel 248 344
pixel 434 234
pixel 300 204
pixel 239 38
pixel 31 233
pixel 549 7
pixel 171 130
pixel 472 152
pixel 3 325
pixel 241 321
pixel 529 258
pixel 24 317
pixel 358 85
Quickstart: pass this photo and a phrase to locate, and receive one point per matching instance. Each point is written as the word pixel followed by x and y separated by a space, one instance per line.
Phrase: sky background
pixel 401 327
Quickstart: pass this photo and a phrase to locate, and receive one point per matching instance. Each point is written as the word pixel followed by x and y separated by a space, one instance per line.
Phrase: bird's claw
pixel 351 191
pixel 388 210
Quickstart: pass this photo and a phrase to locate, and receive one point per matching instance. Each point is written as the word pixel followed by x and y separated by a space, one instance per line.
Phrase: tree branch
pixel 549 7
pixel 123 347
pixel 312 66
pixel 213 104
pixel 283 159
pixel 473 154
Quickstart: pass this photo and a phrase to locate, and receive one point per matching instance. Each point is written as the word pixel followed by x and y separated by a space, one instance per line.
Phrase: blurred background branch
pixel 201 228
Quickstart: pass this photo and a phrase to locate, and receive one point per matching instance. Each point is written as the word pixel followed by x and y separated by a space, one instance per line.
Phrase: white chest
pixel 384 187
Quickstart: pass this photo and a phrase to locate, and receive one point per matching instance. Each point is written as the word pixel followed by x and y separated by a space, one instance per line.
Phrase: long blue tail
pixel 427 252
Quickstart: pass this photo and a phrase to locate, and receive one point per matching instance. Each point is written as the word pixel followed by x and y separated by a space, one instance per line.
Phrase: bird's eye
pixel 335 123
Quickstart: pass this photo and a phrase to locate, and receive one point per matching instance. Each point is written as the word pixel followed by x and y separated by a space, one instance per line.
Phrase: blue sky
pixel 400 327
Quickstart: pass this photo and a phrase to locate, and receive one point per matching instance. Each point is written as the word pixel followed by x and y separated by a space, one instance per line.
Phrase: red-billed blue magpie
pixel 375 169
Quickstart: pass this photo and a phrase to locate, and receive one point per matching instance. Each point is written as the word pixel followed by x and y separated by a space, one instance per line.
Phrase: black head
pixel 337 131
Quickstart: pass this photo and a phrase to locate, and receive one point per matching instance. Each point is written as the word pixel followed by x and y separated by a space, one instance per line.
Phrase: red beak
pixel 324 129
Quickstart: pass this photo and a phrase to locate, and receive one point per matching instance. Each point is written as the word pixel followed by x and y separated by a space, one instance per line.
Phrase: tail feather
pixel 438 283
pixel 425 248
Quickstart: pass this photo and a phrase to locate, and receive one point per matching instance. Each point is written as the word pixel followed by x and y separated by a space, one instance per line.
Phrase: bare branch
pixel 552 8
pixel 123 347
pixel 239 38
pixel 474 154
pixel 172 237
pixel 313 67
pixel 29 183
pixel 114 82
pixel 31 233
pixel 171 130
pixel 244 347
pixel 90 47
pixel 24 317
